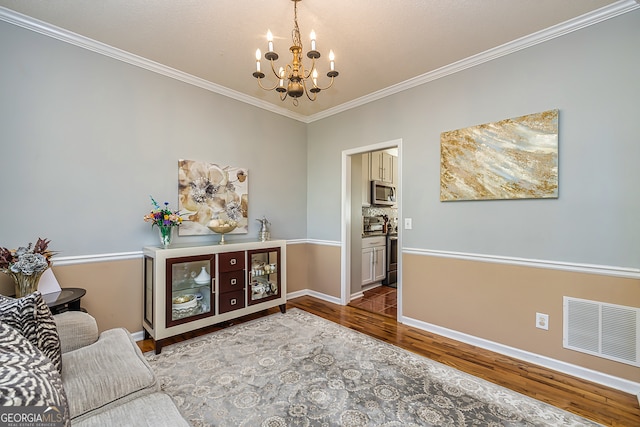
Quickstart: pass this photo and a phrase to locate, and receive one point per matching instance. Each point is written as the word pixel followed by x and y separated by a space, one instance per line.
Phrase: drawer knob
pixel 233 261
pixel 234 281
pixel 233 301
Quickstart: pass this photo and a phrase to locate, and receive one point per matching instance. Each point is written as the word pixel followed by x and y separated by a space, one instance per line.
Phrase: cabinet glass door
pixel 264 276
pixel 189 289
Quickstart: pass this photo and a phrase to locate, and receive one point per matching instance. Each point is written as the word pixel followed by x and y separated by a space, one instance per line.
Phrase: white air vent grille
pixel 606 330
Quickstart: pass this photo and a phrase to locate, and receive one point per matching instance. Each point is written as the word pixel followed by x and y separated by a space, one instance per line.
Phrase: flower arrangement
pixel 25 265
pixel 29 260
pixel 163 216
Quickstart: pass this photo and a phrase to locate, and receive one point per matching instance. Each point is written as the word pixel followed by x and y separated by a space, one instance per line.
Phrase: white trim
pixel 323 242
pixel 542 36
pixel 297 242
pixel 345 209
pixel 599 15
pixel 625 272
pixel 83 42
pixel 315 294
pixel 357 295
pixel 547 362
pixel 606 270
pixel 138 336
pixel 84 259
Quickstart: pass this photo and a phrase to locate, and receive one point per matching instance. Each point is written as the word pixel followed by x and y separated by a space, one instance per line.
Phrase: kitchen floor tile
pixel 381 299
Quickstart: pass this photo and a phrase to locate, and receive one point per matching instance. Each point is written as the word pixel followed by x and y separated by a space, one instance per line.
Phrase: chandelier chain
pixel 295 33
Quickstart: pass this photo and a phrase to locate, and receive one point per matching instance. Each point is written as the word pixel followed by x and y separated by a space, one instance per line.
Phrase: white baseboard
pixel 356 295
pixel 546 362
pixel 315 294
pixel 536 359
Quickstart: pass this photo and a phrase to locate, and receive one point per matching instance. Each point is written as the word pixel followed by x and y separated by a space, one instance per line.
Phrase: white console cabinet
pixel 188 287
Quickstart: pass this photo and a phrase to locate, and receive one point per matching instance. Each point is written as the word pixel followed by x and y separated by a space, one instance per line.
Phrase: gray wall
pixel 85 140
pixel 590 75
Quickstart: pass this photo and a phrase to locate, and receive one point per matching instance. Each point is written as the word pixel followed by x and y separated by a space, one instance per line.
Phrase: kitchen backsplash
pixel 392 213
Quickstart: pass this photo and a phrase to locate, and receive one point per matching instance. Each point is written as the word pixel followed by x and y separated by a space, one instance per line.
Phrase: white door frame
pixel 345 270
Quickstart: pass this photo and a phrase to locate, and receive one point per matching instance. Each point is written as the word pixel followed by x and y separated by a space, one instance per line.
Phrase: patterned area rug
pixel 297 369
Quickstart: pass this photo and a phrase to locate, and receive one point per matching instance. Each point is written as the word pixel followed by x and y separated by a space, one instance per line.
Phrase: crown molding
pixel 602 14
pixel 72 38
pixel 599 15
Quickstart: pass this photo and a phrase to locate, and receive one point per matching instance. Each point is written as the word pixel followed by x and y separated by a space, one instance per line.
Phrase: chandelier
pixel 294 79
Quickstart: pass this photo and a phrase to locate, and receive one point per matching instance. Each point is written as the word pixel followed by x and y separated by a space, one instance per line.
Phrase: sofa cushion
pixel 152 410
pixel 76 329
pixel 109 372
pixel 31 316
pixel 28 377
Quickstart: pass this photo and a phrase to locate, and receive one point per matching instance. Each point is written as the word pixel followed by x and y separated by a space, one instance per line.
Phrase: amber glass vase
pixel 26 284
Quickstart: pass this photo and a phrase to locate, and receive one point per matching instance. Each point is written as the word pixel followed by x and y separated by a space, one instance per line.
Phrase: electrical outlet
pixel 408 223
pixel 542 321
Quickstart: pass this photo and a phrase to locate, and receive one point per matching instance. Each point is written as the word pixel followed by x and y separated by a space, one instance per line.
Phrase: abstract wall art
pixel 510 159
pixel 207 191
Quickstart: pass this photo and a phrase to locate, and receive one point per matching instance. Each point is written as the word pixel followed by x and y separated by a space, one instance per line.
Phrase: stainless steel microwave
pixel 383 194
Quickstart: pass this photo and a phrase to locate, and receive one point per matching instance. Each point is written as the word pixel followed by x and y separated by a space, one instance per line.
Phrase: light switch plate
pixel 408 223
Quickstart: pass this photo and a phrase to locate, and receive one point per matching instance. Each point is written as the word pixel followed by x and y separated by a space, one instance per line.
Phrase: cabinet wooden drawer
pixel 232 281
pixel 230 301
pixel 370 242
pixel 231 261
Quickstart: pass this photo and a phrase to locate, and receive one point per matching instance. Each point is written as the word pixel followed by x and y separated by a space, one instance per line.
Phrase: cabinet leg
pixel 158 345
pixel 283 308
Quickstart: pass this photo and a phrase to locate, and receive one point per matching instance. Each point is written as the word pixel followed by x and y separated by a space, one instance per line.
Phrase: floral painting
pixel 208 191
pixel 510 159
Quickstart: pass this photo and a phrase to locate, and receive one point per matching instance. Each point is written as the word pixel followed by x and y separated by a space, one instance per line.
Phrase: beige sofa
pixel 106 378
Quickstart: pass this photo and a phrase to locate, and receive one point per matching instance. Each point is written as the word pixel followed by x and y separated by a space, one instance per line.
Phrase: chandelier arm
pixel 273 69
pixel 267 88
pixel 325 88
pixel 313 66
pixel 306 92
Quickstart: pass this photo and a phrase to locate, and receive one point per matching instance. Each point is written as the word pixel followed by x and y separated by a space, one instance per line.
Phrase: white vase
pixel 203 278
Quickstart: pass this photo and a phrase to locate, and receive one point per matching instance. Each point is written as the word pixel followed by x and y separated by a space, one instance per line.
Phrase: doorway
pixel 377 296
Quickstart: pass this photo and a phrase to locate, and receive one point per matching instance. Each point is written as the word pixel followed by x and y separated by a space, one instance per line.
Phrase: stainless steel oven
pixel 392 260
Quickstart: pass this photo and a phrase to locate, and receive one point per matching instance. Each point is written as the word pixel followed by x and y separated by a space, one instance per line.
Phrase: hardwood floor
pixel 381 299
pixel 601 404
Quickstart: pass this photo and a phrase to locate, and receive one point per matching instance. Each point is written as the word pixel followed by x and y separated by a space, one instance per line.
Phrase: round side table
pixel 68 299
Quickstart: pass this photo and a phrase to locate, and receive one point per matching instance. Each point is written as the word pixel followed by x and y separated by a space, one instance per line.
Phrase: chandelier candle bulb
pixel 258 54
pixel 270 40
pixel 331 58
pixel 313 40
pixel 315 77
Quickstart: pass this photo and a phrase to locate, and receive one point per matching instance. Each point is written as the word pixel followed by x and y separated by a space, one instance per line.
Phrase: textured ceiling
pixel 377 43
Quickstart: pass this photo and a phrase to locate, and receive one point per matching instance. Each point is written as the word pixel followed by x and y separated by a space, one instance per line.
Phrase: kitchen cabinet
pixel 374 256
pixel 377 166
pixel 381 166
pixel 189 287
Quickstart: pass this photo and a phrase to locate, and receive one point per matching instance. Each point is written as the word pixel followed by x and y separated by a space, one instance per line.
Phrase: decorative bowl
pixel 222 226
pixel 183 302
